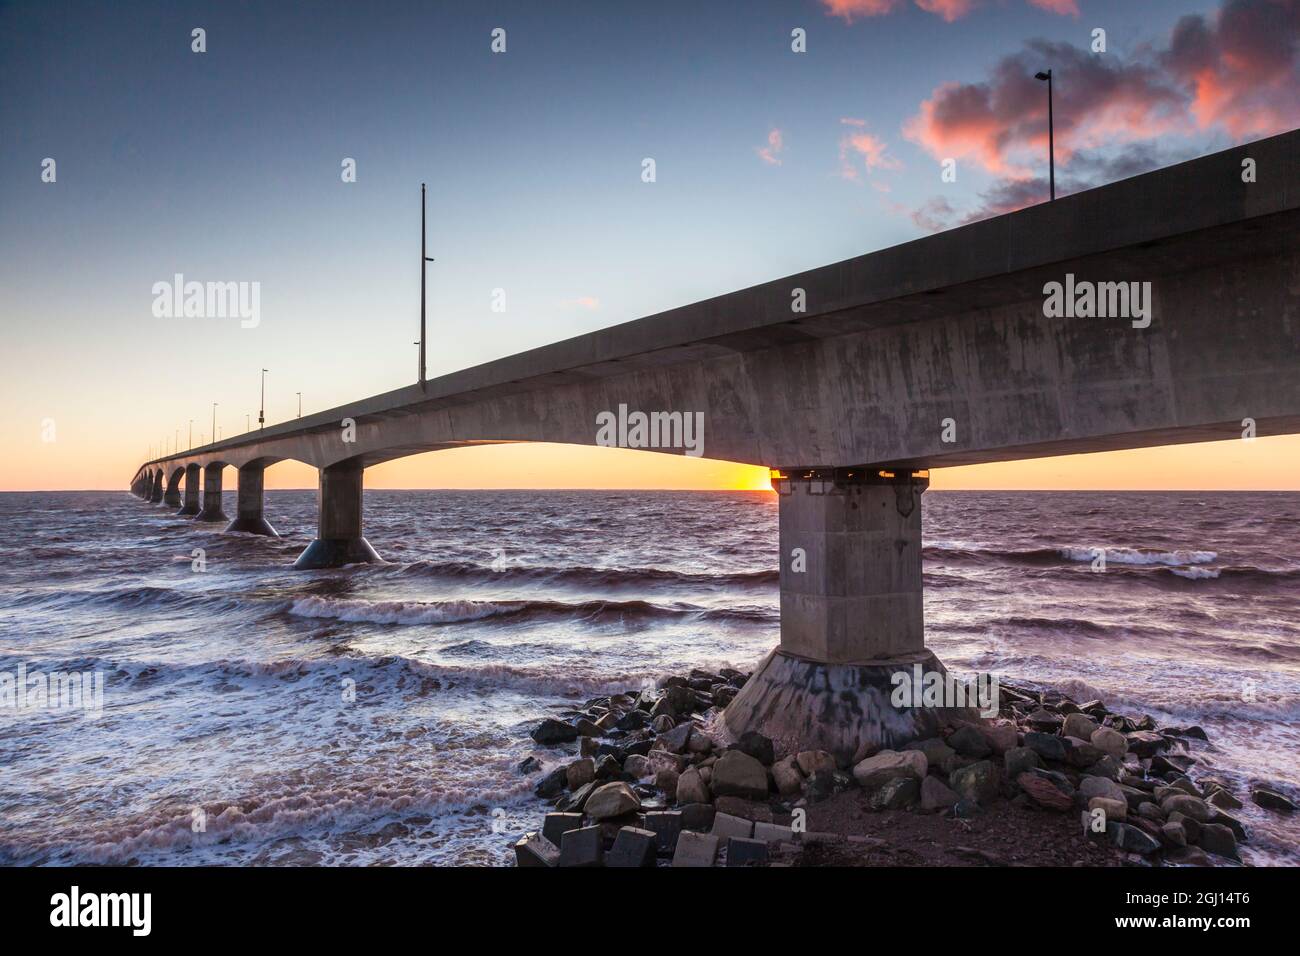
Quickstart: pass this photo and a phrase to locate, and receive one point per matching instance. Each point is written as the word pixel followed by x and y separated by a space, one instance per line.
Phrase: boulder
pixel 1217 839
pixel 1173 835
pixel 1090 787
pixel 1044 720
pixel 1223 800
pixel 551 732
pixel 662 723
pixel 874 772
pixel 1002 734
pixel 1078 725
pixel 738 774
pixel 611 800
pixel 1110 742
pixel 1047 746
pixel 699 743
pixel 691 788
pixel 1115 810
pixel 789 781
pixel 1079 752
pixel 553 784
pixel 896 794
pixel 969 742
pixel 754 744
pixel 1145 743
pixel 1188 806
pixel 1044 792
pixel 1132 839
pixel 587 728
pixel 935 795
pixel 638 767
pixel 675 740
pixel 810 761
pixel 580 772
pixel 666 780
pixel 1018 760
pixel 977 783
pixel 1271 800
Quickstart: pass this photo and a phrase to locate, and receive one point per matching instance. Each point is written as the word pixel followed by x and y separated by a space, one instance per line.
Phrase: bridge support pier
pixel 191 506
pixel 338 538
pixel 172 495
pixel 248 517
pixel 851 618
pixel 212 494
pixel 156 488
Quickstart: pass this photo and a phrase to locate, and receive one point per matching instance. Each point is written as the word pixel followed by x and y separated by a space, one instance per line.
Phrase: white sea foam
pixel 1139 556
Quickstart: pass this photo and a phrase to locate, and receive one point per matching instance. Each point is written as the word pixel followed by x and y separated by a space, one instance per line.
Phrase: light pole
pixel 248 422
pixel 214 421
pixel 191 445
pixel 1051 145
pixel 423 269
pixel 261 412
pixel 300 404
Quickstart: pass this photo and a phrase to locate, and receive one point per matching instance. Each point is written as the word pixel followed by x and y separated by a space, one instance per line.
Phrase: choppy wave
pixel 593 577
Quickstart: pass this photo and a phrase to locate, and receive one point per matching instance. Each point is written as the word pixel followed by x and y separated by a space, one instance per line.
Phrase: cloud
pixel 949 10
pixel 770 152
pixel 1240 67
pixel 872 150
pixel 584 302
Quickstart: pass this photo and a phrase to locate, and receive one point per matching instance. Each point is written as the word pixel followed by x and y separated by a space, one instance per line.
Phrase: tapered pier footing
pixel 192 495
pixel 212 494
pixel 339 540
pixel 249 518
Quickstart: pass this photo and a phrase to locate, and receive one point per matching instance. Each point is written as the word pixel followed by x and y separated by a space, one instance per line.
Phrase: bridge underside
pixel 935 353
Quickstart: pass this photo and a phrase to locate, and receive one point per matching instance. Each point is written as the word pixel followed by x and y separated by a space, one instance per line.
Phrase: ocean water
pixel 376 715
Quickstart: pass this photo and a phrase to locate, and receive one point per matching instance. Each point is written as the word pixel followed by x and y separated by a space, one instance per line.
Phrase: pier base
pixel 248 516
pixel 338 538
pixel 156 488
pixel 172 496
pixel 851 618
pixel 212 494
pixel 191 506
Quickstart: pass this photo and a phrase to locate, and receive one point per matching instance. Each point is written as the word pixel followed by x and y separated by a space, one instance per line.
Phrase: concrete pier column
pixel 212 494
pixel 248 517
pixel 172 494
pixel 156 488
pixel 338 539
pixel 851 617
pixel 191 506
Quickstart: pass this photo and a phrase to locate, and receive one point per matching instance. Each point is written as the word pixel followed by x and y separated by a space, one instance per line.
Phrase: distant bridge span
pixel 932 353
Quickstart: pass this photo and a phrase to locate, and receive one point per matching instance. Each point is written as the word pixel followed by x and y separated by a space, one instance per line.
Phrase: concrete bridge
pixel 948 350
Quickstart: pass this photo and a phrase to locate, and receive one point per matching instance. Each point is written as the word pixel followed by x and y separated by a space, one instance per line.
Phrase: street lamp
pixel 214 421
pixel 191 445
pixel 1051 145
pixel 261 412
pixel 300 404
pixel 423 269
pixel 248 422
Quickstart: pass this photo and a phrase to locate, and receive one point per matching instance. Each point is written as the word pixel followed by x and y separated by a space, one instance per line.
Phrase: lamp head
pixel 1040 75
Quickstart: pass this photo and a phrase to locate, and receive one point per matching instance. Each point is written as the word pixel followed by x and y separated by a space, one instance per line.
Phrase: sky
pixel 229 165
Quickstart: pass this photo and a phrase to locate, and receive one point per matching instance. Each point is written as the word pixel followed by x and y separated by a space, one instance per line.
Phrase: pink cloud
pixel 872 150
pixel 949 10
pixel 849 9
pixel 1066 8
pixel 770 152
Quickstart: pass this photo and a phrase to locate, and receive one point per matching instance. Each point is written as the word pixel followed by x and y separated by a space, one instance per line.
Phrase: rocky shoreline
pixel 656 781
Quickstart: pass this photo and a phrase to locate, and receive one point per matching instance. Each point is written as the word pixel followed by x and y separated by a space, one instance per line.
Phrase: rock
pixel 697 816
pixel 969 742
pixel 664 760
pixel 666 780
pixel 725 825
pixel 576 800
pixel 1188 806
pixel 611 800
pixel 1144 743
pixel 1018 760
pixel 1193 732
pixel 773 833
pixel 691 788
pixel 1078 725
pixel 755 745
pixel 633 720
pixel 1232 823
pixel 935 795
pixel 638 767
pixel 738 774
pixel 662 724
pixel 555 825
pixel 1271 800
pixel 1110 742
pixel 588 728
pixel 874 772
pixel 1223 800
pixel 965 809
pixel 789 781
pixel 1217 839
pixel 1189 856
pixel 529 765
pixel 580 772
pixel 1090 787
pixel 633 847
pixel 1079 752
pixel 1045 745
pixel 1150 811
pixel 533 849
pixel 666 825
pixel 551 731
pixel 1185 785
pixel 553 784
pixel 977 783
pixel 826 783
pixel 1043 792
pixel 1190 825
pixel 699 743
pixel 1002 734
pixel 1115 810
pixel 1107 767
pixel 1172 834
pixel 675 740
pixel 896 794
pixel 695 849
pixel 1044 720
pixel 583 847
pixel 1131 838
pixel 810 761
pixel 745 809
pixel 745 852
